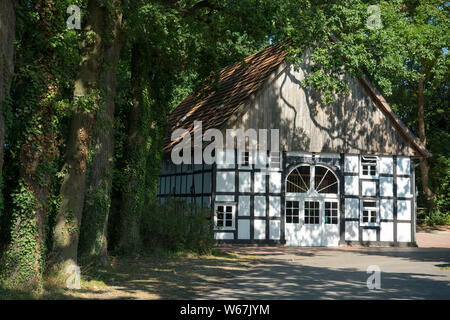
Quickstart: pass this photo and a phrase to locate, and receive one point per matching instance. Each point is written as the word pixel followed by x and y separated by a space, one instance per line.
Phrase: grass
pixel 162 275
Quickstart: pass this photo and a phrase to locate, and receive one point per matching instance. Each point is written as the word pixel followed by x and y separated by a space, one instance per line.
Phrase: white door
pixel 331 234
pixel 292 219
pixel 312 222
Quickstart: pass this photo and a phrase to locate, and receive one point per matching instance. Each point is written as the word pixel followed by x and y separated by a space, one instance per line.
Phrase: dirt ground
pixel 153 277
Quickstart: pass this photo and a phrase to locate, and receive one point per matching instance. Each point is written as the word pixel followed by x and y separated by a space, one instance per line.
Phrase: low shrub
pixel 437 217
pixel 178 225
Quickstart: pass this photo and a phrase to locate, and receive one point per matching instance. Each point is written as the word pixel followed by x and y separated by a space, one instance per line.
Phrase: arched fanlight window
pixel 306 179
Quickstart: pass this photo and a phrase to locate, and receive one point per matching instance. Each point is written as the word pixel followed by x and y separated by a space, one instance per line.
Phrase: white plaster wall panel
pixel 224 198
pixel 351 231
pixel 275 230
pixel 351 163
pixel 369 188
pixel 328 155
pixel 198 183
pixel 177 184
pixel 386 209
pixel 275 182
pixel 225 158
pixel 183 184
pixel 386 231
pixel 244 229
pixel 260 182
pixel 352 185
pixel 274 206
pixel 299 154
pixel 259 229
pixel 225 181
pixel 245 181
pixel 403 209
pixel 403 232
pixel 403 165
pixel 386 165
pixel 244 206
pixel 260 206
pixel 207 182
pixel 260 159
pixel 224 235
pixel 386 186
pixel 352 208
pixel 369 235
pixel 403 187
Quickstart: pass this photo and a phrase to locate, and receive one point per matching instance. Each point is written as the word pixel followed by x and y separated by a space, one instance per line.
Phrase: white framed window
pixel 292 211
pixel 224 216
pixel 314 179
pixel 331 212
pixel 312 212
pixel 370 213
pixel 369 167
pixel 244 159
pixel 275 160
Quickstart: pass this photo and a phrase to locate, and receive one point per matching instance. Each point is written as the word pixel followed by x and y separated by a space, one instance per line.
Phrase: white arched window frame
pixel 309 188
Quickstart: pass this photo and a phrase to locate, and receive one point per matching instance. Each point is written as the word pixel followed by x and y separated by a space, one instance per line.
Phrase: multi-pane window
pixel 224 218
pixel 323 180
pixel 312 212
pixel 292 212
pixel 275 160
pixel 331 212
pixel 369 213
pixel 368 166
pixel 299 180
pixel 245 158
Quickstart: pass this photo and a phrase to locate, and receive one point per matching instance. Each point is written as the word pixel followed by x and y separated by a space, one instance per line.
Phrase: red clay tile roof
pixel 236 83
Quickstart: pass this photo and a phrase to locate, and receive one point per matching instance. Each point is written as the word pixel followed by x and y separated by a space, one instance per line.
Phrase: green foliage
pixel 437 217
pixel 23 262
pixel 178 225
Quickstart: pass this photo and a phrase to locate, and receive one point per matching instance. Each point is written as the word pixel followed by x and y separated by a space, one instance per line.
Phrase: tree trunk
pixel 86 99
pixel 93 237
pixel 38 151
pixel 424 167
pixel 7 33
pixel 134 157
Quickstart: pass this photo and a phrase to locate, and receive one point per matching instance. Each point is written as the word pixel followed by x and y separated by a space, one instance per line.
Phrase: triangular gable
pixel 266 93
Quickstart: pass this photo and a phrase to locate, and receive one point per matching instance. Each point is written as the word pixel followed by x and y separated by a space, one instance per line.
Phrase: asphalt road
pixel 321 273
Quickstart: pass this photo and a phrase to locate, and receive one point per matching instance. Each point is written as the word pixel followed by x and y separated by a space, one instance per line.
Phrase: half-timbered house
pixel 343 174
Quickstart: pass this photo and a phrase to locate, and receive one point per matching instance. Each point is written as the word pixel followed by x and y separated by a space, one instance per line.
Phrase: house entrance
pixel 312 206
